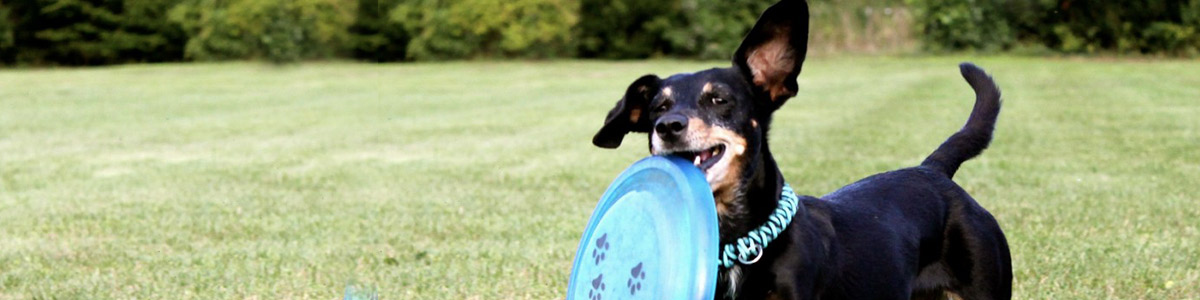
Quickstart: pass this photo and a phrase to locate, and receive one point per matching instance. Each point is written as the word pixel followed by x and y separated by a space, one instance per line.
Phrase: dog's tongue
pixel 704 155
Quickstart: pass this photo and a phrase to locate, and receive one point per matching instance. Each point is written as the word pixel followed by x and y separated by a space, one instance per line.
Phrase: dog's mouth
pixel 703 159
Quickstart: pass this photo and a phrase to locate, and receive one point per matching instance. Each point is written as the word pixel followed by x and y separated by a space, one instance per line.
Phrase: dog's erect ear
pixel 774 50
pixel 630 114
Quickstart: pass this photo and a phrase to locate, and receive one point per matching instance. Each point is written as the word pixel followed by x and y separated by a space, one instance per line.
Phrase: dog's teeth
pixel 697 162
pixel 716 151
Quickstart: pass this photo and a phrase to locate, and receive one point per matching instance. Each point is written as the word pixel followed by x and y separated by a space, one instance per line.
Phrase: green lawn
pixel 474 180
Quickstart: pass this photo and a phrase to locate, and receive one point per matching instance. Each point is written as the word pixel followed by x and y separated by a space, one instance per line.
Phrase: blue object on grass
pixel 653 235
pixel 355 293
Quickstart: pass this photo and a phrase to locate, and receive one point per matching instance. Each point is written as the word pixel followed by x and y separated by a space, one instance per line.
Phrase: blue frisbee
pixel 653 235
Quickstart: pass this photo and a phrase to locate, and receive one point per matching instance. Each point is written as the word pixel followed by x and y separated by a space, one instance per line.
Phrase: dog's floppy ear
pixel 630 114
pixel 772 53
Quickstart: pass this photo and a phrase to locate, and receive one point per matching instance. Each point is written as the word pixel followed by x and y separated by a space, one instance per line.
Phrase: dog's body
pixel 909 233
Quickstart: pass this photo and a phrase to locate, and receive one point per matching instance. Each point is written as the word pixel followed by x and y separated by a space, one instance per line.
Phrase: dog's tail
pixel 977 133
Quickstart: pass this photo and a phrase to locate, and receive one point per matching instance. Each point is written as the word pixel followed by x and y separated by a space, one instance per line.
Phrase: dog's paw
pixel 601 248
pixel 598 287
pixel 636 276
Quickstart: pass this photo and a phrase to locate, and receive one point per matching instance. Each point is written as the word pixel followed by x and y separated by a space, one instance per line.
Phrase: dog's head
pixel 718 118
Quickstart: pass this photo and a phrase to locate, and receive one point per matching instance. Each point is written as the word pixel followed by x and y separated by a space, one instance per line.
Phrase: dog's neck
pixel 759 197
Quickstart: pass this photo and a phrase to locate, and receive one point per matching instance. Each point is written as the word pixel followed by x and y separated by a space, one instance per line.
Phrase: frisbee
pixel 653 235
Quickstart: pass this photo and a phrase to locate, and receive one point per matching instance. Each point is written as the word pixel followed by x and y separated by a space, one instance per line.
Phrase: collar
pixel 748 249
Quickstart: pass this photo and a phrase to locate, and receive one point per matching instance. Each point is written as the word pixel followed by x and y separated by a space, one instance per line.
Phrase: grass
pixel 474 180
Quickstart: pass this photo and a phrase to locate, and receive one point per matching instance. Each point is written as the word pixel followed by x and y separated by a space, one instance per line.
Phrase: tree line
pixel 95 32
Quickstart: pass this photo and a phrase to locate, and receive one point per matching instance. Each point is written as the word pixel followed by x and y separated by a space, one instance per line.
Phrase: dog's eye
pixel 718 100
pixel 661 108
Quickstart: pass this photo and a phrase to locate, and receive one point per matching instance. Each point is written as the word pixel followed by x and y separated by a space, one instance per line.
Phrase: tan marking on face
pixel 666 92
pixel 754 123
pixel 697 128
pixel 635 114
pixel 707 87
pixel 725 177
pixel 770 64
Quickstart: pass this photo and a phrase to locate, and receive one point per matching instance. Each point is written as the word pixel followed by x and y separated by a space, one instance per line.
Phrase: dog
pixel 911 233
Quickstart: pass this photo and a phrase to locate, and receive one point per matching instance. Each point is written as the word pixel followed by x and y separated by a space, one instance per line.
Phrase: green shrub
pixel 7 38
pixel 487 28
pixel 1170 37
pixel 373 36
pixel 1146 26
pixel 629 28
pixel 1127 27
pixel 713 29
pixel 87 32
pixel 963 25
pixel 276 30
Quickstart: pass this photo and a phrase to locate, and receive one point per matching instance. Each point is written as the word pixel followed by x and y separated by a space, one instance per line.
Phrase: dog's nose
pixel 671 126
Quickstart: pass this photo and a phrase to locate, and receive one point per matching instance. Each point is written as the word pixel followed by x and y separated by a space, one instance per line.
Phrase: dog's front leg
pixel 782 293
pixel 788 286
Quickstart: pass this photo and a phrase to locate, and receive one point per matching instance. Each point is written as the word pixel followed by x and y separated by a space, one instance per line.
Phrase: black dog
pixel 910 233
